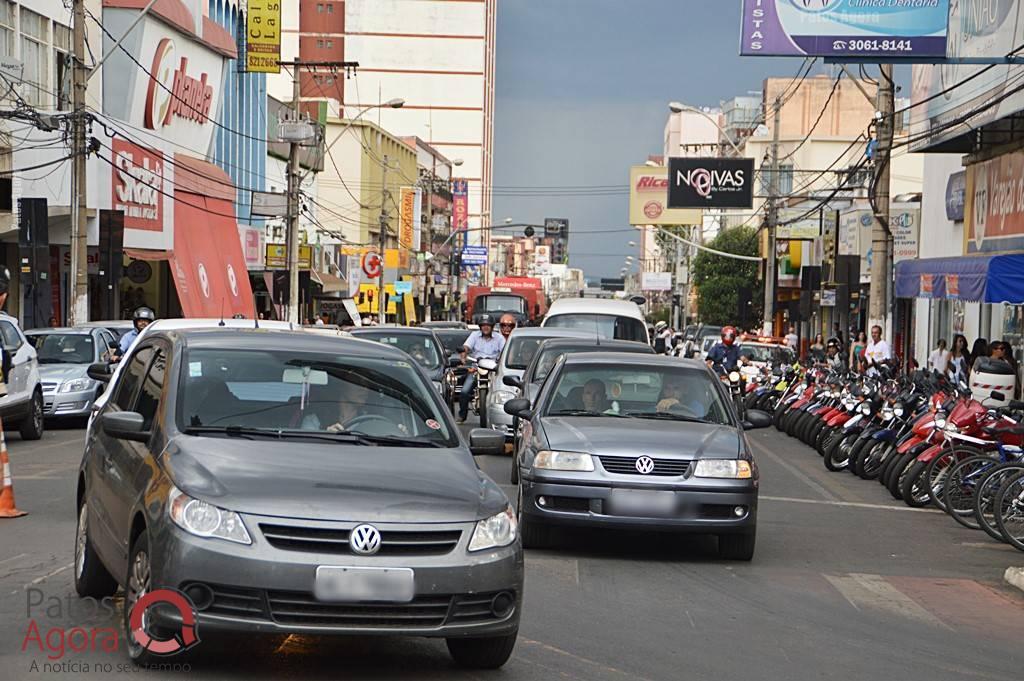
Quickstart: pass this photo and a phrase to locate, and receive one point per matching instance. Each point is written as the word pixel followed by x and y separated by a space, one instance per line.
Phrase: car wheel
pixel 535 535
pixel 736 546
pixel 31 427
pixel 136 585
pixel 482 653
pixel 91 578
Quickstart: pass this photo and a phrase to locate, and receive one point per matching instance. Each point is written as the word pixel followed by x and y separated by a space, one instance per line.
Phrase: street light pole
pixel 382 242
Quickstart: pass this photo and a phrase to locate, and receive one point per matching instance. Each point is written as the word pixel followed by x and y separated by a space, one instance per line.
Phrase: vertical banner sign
pixel 407 218
pixel 417 221
pixel 263 36
pixel 460 205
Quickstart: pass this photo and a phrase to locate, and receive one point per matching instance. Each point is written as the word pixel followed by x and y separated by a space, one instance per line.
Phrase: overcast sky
pixel 582 93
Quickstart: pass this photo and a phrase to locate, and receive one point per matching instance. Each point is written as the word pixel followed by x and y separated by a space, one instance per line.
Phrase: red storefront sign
pixel 138 185
pixel 994 205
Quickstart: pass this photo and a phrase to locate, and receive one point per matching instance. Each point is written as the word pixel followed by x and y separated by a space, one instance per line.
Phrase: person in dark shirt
pixel 725 355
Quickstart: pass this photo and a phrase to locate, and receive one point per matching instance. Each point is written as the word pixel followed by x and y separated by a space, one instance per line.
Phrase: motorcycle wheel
pixel 823 437
pixel 860 450
pixel 804 433
pixel 832 443
pixel 839 458
pixel 816 429
pixel 795 423
pixel 961 486
pixel 482 406
pixel 876 459
pixel 896 474
pixel 914 485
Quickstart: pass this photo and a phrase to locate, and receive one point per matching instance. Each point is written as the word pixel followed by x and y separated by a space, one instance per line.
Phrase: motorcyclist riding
pixel 725 355
pixel 141 318
pixel 662 335
pixel 482 344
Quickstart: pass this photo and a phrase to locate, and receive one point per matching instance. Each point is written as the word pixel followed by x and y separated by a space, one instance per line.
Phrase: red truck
pixel 522 297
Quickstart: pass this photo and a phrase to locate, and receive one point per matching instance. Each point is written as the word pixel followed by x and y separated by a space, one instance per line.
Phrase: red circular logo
pixel 372 265
pixel 653 209
pixel 184 639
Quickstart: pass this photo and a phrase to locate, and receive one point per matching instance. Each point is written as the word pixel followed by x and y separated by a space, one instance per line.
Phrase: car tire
pixel 31 427
pixel 137 582
pixel 92 580
pixel 483 408
pixel 736 546
pixel 482 653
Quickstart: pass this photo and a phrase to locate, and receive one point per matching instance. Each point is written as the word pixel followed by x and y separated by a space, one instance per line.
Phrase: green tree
pixel 720 280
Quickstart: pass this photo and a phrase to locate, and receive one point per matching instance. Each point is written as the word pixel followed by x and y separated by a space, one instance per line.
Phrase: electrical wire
pixel 821 114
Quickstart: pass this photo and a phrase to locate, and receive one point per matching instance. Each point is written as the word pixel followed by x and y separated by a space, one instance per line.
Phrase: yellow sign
pixel 277 257
pixel 410 308
pixel 406 218
pixel 263 36
pixel 648 199
pixel 396 259
pixel 368 302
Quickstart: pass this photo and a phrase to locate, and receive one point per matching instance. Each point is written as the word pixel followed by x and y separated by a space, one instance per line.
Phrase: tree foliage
pixel 720 280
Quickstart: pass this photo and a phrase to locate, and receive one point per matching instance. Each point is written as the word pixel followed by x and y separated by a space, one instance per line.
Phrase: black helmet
pixel 143 313
pixel 486 320
pixel 5 279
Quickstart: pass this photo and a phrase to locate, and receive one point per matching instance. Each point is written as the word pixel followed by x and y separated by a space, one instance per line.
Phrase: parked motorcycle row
pixel 926 440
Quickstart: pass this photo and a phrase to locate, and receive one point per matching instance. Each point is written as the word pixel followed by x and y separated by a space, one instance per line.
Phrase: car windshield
pixel 604 325
pixel 548 356
pixel 655 392
pixel 452 339
pixel 420 347
pixel 521 350
pixel 770 354
pixel 499 303
pixel 308 393
pixel 63 348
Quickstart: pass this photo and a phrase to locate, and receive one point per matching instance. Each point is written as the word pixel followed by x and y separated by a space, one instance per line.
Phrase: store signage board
pixel 710 182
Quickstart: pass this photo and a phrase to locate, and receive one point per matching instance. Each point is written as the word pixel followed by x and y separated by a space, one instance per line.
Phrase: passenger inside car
pixel 594 397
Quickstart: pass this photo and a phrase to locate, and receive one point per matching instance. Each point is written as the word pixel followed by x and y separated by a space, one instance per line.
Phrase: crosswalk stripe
pixel 872 592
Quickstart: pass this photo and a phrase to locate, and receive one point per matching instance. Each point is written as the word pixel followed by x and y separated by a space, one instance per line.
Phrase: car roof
pixel 527 331
pixel 559 342
pixel 444 325
pixel 406 330
pixel 67 330
pixel 622 308
pixel 110 323
pixel 632 358
pixel 274 339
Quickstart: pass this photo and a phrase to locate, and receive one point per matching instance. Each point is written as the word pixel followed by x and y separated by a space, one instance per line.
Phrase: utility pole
pixel 880 233
pixel 383 241
pixel 78 311
pixel 773 219
pixel 294 182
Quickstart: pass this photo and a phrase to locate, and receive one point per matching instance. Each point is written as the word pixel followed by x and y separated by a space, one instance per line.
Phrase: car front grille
pixel 48 386
pixel 299 608
pixel 335 541
pixel 626 465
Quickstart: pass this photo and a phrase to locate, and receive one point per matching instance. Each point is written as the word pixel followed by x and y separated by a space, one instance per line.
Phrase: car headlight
pixel 737 469
pixel 496 531
pixel 76 385
pixel 865 408
pixel 898 410
pixel 563 461
pixel 503 396
pixel 204 519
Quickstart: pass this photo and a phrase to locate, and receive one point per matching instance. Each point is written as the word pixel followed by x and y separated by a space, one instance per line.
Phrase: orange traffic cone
pixel 7 507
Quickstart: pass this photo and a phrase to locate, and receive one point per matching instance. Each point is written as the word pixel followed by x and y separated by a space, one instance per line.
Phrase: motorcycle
pixel 483 369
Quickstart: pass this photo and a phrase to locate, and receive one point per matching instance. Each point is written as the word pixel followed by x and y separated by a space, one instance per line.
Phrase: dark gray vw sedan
pixel 639 442
pixel 288 482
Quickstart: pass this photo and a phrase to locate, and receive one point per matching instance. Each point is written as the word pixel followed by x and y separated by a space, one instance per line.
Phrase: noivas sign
pixel 710 182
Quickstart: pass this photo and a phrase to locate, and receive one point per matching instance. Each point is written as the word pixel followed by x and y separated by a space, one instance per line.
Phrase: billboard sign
pixel 956 193
pixel 994 206
pixel 648 199
pixel 263 36
pixel 474 255
pixel 710 182
pixel 460 205
pixel 556 227
pixel 656 281
pixel 844 28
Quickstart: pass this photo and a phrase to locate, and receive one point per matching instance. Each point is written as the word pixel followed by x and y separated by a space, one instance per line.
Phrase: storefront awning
pixel 328 282
pixel 986 279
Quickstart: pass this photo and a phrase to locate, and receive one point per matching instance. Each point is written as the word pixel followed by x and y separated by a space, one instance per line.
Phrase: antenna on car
pixel 256 320
pixel 222 313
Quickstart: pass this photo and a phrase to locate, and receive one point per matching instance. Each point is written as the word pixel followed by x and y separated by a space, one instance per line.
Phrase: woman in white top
pixel 958 360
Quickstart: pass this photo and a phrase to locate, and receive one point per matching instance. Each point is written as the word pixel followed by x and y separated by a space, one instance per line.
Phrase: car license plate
pixel 357 584
pixel 643 503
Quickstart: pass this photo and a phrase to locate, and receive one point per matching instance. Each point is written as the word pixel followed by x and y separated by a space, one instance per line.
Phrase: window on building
pixel 785 179
pixel 7 21
pixel 34 55
pixel 62 72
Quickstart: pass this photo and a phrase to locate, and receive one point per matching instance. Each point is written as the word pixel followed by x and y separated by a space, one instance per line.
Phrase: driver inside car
pixel 674 398
pixel 334 410
pixel 594 397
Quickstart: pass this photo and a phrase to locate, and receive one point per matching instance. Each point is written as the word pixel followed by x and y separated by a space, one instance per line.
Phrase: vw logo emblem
pixel 364 539
pixel 644 465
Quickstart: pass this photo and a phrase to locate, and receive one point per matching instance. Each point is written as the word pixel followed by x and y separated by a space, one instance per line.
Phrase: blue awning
pixel 986 279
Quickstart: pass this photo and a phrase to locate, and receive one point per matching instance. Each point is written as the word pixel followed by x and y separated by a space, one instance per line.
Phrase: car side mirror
pixel 124 425
pixel 512 381
pixel 519 407
pixel 755 418
pixel 100 371
pixel 484 442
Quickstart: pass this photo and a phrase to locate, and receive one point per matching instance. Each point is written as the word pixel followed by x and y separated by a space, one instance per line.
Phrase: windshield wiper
pixel 342 437
pixel 586 412
pixel 667 416
pixel 230 431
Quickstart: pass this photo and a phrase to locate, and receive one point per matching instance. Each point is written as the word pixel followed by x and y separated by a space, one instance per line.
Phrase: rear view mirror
pixel 100 371
pixel 997 396
pixel 519 407
pixel 483 442
pixel 125 425
pixel 755 418
pixel 305 375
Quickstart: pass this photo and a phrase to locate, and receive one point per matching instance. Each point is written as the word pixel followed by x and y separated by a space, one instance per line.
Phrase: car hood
pixel 61 372
pixel 325 481
pixel 623 437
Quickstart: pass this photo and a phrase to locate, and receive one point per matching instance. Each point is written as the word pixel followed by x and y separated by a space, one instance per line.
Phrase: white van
pixel 620 319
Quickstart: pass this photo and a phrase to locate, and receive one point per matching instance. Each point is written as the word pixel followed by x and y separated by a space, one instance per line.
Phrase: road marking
pixel 987 545
pixel 872 592
pixel 8 560
pixel 800 475
pixel 849 504
pixel 566 653
pixel 48 575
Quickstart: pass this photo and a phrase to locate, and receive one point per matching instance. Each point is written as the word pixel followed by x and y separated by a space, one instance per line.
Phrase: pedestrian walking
pixel 857 349
pixel 959 359
pixel 939 359
pixel 793 340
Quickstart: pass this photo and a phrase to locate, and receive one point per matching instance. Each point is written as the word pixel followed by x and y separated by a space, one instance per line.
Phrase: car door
pixel 105 479
pixel 21 357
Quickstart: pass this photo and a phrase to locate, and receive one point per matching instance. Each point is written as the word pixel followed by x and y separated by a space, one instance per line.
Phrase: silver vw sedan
pixel 289 483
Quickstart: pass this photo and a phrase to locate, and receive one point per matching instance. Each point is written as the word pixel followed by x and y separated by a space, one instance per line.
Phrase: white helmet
pixel 660 326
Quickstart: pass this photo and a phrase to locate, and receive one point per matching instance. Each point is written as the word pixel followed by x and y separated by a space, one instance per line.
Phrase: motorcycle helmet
pixel 660 326
pixel 486 320
pixel 143 314
pixel 729 335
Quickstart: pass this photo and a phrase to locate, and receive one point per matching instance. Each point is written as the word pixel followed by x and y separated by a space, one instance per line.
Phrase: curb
pixel 1014 576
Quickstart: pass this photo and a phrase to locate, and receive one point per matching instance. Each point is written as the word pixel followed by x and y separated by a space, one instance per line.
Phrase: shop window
pixel 62 67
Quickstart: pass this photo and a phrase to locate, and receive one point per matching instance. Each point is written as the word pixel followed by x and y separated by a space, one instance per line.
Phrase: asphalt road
pixel 845 584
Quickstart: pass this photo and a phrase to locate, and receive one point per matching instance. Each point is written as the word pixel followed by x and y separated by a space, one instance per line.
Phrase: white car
pixel 21 408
